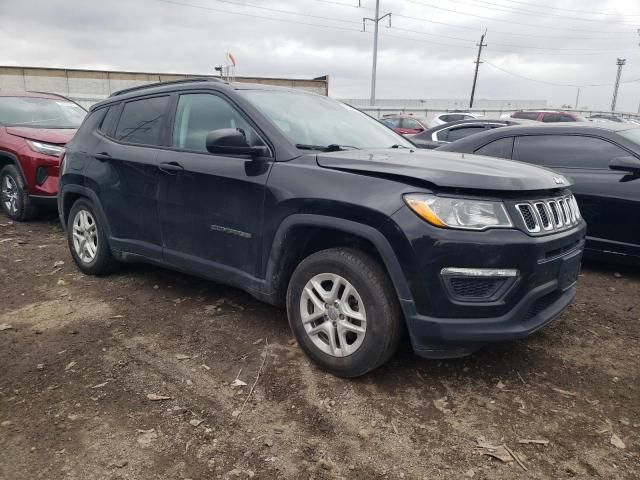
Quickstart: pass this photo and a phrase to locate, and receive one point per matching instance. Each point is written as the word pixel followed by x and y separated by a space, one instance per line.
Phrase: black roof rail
pixel 161 84
pixel 57 95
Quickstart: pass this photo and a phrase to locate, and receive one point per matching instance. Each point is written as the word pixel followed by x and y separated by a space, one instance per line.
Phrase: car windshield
pixel 40 112
pixel 632 134
pixel 317 122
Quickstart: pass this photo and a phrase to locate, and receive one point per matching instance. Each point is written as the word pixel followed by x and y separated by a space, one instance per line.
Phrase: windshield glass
pixel 40 112
pixel 632 134
pixel 313 120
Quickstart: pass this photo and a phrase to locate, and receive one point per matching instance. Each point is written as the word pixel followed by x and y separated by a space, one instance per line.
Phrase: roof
pixel 568 127
pixel 31 95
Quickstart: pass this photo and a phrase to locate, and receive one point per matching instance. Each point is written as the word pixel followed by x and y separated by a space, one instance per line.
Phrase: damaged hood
pixel 446 169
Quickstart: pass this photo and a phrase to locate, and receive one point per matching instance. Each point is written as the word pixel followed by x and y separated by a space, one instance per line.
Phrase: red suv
pixel 34 128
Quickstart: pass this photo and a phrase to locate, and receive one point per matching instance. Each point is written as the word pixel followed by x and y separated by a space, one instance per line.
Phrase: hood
pixel 446 169
pixel 59 136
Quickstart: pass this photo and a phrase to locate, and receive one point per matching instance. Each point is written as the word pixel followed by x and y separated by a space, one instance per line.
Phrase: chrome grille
pixel 549 215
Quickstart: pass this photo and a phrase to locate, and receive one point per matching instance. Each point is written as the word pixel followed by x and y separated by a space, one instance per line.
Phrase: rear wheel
pixel 344 312
pixel 87 240
pixel 13 195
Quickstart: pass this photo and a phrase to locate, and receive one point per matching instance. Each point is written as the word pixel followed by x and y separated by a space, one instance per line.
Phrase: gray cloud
pixel 152 35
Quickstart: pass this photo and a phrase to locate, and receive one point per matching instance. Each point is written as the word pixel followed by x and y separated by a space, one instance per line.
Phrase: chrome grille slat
pixel 553 214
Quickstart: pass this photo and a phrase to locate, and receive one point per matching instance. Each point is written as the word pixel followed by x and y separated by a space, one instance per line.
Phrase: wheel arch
pixel 300 235
pixel 72 193
pixel 8 158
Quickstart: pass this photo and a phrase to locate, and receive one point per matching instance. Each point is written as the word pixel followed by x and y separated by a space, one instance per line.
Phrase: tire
pixel 14 198
pixel 88 241
pixel 351 353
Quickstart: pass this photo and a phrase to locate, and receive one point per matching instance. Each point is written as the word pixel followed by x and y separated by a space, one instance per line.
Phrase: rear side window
pixel 527 115
pixel 109 120
pixel 200 113
pixel 461 132
pixel 500 148
pixel 572 151
pixel 551 117
pixel 141 121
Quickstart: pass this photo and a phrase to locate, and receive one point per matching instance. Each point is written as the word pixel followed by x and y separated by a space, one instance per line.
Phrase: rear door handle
pixel 170 167
pixel 102 156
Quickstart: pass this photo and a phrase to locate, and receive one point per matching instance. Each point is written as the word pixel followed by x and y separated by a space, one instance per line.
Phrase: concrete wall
pixel 90 86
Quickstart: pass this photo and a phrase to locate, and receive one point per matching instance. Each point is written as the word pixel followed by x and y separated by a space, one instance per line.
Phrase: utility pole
pixel 477 62
pixel 577 99
pixel 619 62
pixel 375 21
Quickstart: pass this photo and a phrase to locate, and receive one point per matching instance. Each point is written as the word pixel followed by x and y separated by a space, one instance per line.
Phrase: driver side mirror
pixel 232 141
pixel 628 164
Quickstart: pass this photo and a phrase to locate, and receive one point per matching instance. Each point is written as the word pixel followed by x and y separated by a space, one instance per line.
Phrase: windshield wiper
pixel 334 147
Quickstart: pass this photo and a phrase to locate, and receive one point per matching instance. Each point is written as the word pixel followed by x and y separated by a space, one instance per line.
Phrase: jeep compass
pixel 307 203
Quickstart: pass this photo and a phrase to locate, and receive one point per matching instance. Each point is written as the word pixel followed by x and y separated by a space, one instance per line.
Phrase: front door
pixel 211 206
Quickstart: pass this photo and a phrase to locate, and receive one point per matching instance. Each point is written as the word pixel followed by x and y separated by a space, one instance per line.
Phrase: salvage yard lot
pixel 84 354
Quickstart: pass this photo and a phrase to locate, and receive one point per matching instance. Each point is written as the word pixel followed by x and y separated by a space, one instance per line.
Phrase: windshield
pixel 40 112
pixel 632 134
pixel 316 121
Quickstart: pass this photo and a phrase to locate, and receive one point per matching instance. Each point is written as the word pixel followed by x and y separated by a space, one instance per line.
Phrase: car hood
pixel 59 136
pixel 446 169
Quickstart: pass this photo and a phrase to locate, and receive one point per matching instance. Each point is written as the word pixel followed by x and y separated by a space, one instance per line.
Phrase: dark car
pixel 34 128
pixel 548 116
pixel 404 124
pixel 306 202
pixel 603 160
pixel 450 132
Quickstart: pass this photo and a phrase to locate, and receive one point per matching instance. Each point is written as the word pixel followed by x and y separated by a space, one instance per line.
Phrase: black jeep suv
pixel 306 202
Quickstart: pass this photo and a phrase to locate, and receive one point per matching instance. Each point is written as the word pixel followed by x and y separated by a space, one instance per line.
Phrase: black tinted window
pixel 461 132
pixel 454 117
pixel 527 115
pixel 551 117
pixel 501 148
pixel 567 118
pixel 566 151
pixel 141 120
pixel 199 113
pixel 108 122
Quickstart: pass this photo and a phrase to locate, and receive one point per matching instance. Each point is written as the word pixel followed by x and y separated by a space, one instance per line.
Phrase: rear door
pixel 608 199
pixel 211 206
pixel 125 173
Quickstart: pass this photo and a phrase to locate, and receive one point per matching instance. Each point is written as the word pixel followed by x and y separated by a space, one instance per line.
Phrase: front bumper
pixel 442 325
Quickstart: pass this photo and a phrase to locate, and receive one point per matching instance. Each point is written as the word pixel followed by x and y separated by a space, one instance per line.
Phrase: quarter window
pixel 106 126
pixel 572 151
pixel 500 148
pixel 200 113
pixel 141 121
pixel 461 132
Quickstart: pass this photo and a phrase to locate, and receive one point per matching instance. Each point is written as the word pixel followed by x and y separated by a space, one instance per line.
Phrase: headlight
pixel 45 148
pixel 461 213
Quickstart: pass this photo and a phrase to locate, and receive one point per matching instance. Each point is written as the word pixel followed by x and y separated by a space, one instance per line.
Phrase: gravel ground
pixel 133 376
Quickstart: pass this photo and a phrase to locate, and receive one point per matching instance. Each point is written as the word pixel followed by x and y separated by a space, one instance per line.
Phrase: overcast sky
pixel 546 40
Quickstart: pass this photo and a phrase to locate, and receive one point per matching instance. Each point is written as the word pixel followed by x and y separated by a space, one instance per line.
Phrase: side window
pixel 458 133
pixel 551 117
pixel 199 113
pixel 391 122
pixel 141 121
pixel 526 115
pixel 573 151
pixel 109 120
pixel 500 148
pixel 566 118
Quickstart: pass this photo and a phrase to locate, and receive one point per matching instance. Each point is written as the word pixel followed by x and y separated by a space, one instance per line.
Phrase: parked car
pixel 449 132
pixel 404 124
pixel 603 161
pixel 548 116
pixel 34 128
pixel 600 117
pixel 443 118
pixel 306 202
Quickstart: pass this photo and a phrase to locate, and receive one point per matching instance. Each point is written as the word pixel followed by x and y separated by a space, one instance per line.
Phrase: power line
pixel 527 12
pixel 549 7
pixel 553 83
pixel 510 21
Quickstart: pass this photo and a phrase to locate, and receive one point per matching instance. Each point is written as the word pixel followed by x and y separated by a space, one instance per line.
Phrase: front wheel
pixel 13 195
pixel 344 312
pixel 87 240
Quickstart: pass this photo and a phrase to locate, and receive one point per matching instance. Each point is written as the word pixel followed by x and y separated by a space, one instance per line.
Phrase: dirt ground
pixel 84 354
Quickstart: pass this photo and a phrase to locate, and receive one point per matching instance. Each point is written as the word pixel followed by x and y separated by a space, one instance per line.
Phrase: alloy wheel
pixel 10 192
pixel 333 314
pixel 85 236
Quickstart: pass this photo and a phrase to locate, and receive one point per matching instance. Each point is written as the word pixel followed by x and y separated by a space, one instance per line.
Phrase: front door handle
pixel 102 156
pixel 170 167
